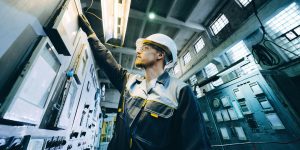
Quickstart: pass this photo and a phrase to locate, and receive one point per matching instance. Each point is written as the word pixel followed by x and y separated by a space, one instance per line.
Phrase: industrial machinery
pixel 246 113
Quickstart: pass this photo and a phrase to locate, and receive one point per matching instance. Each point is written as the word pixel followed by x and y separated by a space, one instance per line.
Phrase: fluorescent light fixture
pixel 115 18
pixel 151 15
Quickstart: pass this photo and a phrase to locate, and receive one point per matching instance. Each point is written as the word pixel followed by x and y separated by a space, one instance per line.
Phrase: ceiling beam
pixel 167 21
pixel 145 18
pixel 191 12
pixel 171 8
pixel 168 15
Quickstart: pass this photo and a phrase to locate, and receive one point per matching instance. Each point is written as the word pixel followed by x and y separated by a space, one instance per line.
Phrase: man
pixel 156 112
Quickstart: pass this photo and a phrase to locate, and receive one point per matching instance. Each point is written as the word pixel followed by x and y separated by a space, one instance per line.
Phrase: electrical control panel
pixel 244 113
pixel 55 102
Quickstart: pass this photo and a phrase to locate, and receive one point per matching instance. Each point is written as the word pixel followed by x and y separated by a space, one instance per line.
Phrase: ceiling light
pixel 151 15
pixel 114 18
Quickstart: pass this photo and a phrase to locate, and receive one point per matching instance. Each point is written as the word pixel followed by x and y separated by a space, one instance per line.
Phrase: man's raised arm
pixel 116 74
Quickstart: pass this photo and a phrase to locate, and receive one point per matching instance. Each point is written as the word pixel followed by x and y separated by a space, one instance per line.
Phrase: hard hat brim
pixel 139 43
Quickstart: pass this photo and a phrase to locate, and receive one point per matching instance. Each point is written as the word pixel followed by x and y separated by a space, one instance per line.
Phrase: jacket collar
pixel 162 79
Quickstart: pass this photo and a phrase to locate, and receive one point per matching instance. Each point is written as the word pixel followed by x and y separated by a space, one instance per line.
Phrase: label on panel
pixel 240 133
pixel 224 133
pixel 232 114
pixel 275 121
pixel 225 115
pixel 256 89
pixel 237 109
pixel 225 101
pixel 205 116
pixel 218 116
pixel 238 94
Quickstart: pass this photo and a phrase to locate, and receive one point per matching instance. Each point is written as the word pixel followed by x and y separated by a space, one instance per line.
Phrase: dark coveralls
pixel 164 117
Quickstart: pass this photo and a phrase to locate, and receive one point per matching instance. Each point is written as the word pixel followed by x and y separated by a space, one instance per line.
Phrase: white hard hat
pixel 164 42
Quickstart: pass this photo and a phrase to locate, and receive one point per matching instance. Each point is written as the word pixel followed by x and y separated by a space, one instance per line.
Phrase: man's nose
pixel 138 51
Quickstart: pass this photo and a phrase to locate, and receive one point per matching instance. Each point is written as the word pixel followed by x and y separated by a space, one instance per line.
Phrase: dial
pixel 216 103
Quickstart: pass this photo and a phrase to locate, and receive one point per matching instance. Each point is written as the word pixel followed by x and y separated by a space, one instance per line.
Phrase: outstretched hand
pixel 85 25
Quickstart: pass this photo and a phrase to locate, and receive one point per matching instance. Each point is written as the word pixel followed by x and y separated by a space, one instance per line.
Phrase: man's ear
pixel 161 55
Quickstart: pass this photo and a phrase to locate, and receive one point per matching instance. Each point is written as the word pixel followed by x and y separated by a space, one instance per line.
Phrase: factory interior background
pixel 241 58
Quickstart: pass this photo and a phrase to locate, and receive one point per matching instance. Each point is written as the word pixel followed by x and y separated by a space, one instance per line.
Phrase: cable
pixel 94 15
pixel 89 6
pixel 265 55
pixel 281 47
pixel 86 11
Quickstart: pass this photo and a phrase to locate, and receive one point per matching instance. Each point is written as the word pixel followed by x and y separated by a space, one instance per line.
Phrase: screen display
pixel 39 80
pixel 28 97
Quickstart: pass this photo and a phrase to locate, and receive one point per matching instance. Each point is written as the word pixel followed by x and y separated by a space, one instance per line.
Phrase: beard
pixel 143 65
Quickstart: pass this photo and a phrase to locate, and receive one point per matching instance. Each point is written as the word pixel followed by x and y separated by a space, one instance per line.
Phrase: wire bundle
pixel 262 53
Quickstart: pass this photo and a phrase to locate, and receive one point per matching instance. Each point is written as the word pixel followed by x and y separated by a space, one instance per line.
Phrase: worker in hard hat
pixel 157 111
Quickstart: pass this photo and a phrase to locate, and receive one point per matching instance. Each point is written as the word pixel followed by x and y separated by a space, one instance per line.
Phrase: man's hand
pixel 85 25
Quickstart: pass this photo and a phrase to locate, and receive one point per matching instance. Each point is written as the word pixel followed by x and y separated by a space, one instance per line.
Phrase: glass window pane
pixel 219 24
pixel 176 69
pixel 245 2
pixel 199 45
pixel 187 58
pixel 211 69
pixel 193 80
pixel 239 51
pixel 282 23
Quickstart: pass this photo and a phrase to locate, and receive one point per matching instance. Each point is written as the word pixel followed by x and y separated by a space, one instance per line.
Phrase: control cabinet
pixel 245 113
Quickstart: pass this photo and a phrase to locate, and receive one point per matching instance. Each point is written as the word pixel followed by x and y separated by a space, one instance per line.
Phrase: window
pixel 193 80
pixel 239 51
pixel 283 28
pixel 244 2
pixel 211 69
pixel 199 45
pixel 219 24
pixel 176 69
pixel 187 58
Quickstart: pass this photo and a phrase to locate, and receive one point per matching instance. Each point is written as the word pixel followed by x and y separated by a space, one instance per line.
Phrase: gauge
pixel 216 103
